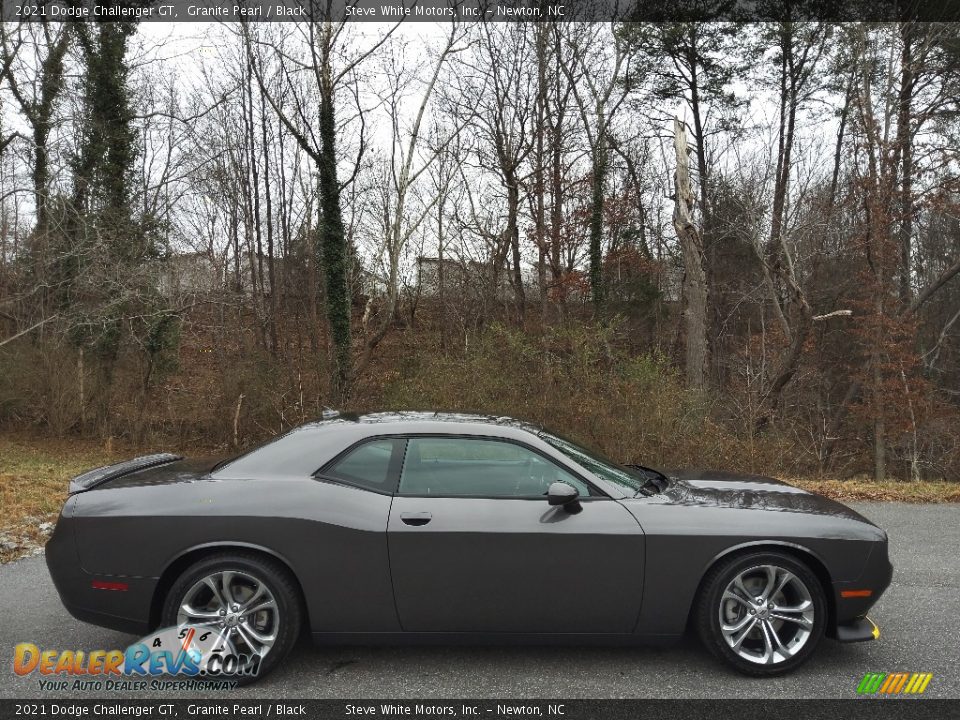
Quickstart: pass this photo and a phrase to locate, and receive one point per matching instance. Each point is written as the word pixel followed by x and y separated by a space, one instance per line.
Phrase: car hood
pixel 712 488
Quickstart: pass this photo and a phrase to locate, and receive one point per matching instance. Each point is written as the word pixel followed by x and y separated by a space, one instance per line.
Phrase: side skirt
pixel 438 638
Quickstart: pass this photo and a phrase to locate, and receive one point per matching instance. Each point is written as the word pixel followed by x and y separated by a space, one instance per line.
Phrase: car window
pixel 366 466
pixel 628 480
pixel 478 467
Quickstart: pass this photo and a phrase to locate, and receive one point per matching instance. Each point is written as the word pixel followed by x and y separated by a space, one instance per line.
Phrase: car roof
pixel 427 422
pixel 306 448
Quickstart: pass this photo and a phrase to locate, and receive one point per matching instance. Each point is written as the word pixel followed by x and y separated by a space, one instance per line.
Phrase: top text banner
pixel 481 10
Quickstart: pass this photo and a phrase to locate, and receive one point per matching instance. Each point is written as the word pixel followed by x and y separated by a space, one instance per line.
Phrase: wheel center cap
pixel 232 620
pixel 762 612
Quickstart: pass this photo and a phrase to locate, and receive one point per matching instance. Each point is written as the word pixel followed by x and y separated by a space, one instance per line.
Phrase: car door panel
pixel 515 565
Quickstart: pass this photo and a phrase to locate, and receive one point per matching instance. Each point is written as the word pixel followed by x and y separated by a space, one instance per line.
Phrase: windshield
pixel 629 481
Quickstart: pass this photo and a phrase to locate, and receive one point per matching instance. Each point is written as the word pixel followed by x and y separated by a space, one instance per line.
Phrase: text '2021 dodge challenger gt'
pixel 420 527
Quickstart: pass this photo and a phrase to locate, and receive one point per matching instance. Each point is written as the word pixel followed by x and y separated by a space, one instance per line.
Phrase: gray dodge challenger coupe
pixel 452 528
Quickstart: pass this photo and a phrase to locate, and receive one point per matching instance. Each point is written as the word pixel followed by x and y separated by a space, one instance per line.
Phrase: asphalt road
pixel 919 617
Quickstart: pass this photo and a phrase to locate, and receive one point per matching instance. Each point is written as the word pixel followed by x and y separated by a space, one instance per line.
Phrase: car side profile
pixel 434 527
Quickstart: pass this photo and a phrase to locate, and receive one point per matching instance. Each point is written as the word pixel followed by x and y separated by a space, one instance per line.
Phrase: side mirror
pixel 561 493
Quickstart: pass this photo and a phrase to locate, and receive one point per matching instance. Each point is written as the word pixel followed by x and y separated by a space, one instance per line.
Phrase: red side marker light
pixel 855 593
pixel 103 585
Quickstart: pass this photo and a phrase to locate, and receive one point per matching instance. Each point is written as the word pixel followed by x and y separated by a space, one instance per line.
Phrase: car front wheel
pixel 762 613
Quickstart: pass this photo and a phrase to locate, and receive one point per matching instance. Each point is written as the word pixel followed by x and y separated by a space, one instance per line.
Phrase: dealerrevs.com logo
pixel 898 683
pixel 185 651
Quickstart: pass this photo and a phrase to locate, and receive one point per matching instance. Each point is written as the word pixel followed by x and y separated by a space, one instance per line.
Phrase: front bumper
pixel 851 606
pixel 860 630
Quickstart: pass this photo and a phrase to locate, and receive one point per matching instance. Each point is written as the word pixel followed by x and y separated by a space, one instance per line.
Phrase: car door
pixel 475 547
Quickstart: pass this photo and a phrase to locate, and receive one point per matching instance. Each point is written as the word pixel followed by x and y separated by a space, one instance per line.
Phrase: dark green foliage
pixel 106 290
pixel 161 341
pixel 333 252
pixel 107 147
pixel 703 50
pixel 695 63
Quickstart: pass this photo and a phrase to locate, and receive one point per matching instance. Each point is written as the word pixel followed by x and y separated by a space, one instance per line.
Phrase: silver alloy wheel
pixel 766 614
pixel 238 606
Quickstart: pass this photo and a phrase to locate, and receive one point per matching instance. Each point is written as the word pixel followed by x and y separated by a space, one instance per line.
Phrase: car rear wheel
pixel 762 613
pixel 250 601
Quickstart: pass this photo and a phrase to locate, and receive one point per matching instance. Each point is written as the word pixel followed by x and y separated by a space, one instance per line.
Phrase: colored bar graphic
pixel 870 683
pixel 894 683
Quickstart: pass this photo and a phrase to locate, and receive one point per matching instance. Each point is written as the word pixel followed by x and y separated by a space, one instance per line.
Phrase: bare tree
pixel 408 160
pixel 600 84
pixel 330 68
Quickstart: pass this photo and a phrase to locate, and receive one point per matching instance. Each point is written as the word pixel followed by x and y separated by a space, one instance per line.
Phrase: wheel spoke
pixel 778 645
pixel 739 625
pixel 257 594
pixel 201 623
pixel 194 614
pixel 727 595
pixel 805 606
pixel 211 583
pixel 785 578
pixel 265 605
pixel 735 644
pixel 226 580
pixel 248 641
pixel 259 637
pixel 738 584
pixel 768 654
pixel 802 621
pixel 771 572
pixel 259 644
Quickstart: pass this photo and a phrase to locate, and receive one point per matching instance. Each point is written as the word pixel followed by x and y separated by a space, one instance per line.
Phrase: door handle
pixel 416 519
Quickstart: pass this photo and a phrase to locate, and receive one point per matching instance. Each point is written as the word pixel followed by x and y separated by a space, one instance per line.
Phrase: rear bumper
pixel 95 598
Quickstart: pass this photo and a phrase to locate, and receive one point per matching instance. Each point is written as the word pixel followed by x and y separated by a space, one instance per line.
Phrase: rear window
pixel 299 453
pixel 366 466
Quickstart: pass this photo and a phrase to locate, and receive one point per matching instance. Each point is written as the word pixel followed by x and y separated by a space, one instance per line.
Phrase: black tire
pixel 271 573
pixel 708 613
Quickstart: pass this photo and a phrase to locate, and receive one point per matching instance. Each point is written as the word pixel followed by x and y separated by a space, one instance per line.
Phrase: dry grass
pixel 33 483
pixel 925 491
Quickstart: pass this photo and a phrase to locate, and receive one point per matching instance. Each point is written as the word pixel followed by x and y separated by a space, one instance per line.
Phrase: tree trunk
pixel 441 279
pixel 334 247
pixel 795 306
pixel 879 425
pixel 694 276
pixel 271 265
pixel 905 148
pixel 597 287
pixel 539 215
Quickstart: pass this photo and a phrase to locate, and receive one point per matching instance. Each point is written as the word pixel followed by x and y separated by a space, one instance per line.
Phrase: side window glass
pixel 366 466
pixel 477 467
